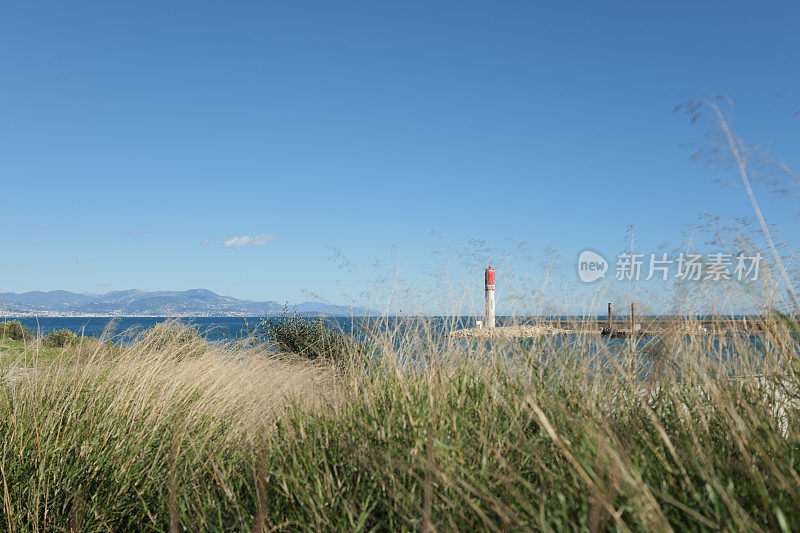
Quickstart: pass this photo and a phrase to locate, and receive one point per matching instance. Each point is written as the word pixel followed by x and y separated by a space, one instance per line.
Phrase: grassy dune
pixel 173 433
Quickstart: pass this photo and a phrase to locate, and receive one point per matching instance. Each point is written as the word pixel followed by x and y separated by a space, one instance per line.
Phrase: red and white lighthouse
pixel 489 276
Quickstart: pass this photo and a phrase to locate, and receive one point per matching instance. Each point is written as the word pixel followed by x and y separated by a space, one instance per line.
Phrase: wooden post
pixel 609 316
pixel 633 317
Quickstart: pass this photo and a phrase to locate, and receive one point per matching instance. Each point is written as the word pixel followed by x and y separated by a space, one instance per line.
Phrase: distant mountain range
pixel 195 302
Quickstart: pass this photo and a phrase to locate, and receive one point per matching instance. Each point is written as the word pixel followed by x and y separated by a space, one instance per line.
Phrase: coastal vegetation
pixel 312 338
pixel 171 432
pixel 60 338
pixel 14 330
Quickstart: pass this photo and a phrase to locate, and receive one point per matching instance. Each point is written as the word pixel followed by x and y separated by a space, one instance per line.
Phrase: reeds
pixel 701 432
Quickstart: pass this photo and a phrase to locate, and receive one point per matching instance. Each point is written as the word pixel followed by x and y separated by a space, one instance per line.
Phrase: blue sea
pixel 213 328
pixel 228 328
pixel 219 328
pixel 123 329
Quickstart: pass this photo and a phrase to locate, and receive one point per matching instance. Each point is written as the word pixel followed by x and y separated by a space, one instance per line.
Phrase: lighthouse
pixel 489 278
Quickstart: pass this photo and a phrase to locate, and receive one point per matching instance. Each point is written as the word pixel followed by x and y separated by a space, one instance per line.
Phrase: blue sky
pixel 392 133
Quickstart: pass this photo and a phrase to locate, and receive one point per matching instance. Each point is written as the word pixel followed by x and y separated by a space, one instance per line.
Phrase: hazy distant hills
pixel 195 302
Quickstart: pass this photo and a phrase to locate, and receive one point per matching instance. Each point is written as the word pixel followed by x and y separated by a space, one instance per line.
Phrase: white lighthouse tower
pixel 489 277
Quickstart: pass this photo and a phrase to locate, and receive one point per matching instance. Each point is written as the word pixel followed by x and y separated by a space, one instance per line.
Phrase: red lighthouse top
pixel 489 274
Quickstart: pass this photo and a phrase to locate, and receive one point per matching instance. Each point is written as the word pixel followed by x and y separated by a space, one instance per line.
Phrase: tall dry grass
pixel 171 432
pixel 100 437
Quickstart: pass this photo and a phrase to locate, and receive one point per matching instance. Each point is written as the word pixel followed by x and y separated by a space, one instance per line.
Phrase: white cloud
pixel 242 241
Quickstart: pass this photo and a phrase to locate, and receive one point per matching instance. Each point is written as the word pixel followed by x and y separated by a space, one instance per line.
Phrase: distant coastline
pixel 148 304
pixel 79 315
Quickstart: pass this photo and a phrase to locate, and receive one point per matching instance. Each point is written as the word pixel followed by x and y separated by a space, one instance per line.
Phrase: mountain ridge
pixel 135 302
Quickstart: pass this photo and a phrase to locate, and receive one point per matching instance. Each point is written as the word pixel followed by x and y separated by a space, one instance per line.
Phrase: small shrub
pixel 90 347
pixel 175 337
pixel 60 338
pixel 311 338
pixel 14 330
